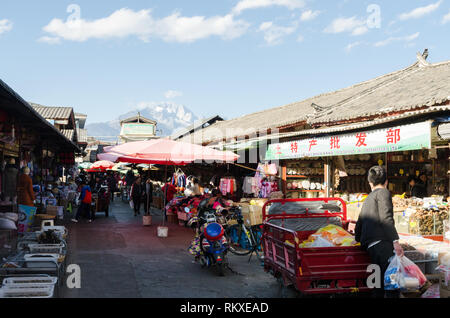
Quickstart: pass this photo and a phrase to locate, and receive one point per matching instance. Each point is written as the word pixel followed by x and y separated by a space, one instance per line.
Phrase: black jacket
pixel 376 221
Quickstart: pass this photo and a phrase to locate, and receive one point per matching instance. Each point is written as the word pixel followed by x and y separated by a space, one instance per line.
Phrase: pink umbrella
pixel 165 152
pixel 102 165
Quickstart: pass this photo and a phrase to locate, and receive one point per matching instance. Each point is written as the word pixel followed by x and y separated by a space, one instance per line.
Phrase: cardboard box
pixel 258 202
pixel 252 214
pixel 55 210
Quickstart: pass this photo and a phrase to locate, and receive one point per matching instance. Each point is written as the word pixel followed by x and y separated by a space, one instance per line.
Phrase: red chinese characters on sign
pixel 312 143
pixel 361 140
pixel 294 147
pixel 334 143
pixel 279 150
pixel 393 136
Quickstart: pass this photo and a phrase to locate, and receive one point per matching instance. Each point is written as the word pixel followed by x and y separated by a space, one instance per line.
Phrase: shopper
pixel 85 203
pixel 148 196
pixel 136 195
pixel 25 191
pixel 170 190
pixel 112 185
pixel 375 228
pixel 10 181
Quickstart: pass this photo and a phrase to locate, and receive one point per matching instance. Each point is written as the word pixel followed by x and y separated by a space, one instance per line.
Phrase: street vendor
pixel 375 229
pixel 25 191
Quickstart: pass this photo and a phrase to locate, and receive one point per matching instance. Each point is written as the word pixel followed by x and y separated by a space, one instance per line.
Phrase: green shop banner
pixel 400 138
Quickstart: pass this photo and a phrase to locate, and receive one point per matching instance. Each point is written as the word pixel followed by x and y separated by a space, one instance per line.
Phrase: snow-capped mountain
pixel 169 116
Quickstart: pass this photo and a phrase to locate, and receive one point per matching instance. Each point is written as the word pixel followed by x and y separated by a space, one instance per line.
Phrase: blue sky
pixel 227 57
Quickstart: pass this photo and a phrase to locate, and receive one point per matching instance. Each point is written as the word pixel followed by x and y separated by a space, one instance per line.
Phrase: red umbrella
pixel 165 152
pixel 102 165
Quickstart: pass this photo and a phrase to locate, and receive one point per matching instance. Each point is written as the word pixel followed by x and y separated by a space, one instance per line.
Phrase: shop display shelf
pixel 36 280
pixel 27 292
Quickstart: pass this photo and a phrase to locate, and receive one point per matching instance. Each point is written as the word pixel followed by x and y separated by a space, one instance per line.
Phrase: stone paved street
pixel 119 257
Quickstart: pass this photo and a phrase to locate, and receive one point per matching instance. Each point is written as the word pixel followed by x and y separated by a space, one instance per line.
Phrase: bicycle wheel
pixel 239 241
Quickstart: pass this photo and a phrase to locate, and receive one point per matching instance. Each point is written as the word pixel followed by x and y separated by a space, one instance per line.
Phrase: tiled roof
pixel 68 133
pixel 82 135
pixel 53 112
pixel 418 86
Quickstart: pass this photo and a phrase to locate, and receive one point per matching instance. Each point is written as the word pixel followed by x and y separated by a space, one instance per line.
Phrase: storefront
pixel 26 140
pixel 336 165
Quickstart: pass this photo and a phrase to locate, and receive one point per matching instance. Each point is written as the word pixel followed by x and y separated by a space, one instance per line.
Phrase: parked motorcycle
pixel 213 245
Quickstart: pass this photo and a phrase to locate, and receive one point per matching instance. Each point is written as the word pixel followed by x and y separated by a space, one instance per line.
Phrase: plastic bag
pixel 331 234
pixel 132 204
pixel 403 274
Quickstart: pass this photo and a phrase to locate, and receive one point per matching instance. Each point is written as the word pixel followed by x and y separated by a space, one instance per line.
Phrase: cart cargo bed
pixel 312 270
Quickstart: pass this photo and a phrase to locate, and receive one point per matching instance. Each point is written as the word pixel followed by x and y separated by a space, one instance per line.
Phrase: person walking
pixel 148 196
pixel 375 228
pixel 112 185
pixel 85 203
pixel 136 195
pixel 25 191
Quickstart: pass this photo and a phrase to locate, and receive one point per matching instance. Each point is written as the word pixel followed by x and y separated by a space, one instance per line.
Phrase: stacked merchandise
pixel 179 180
pixel 263 184
pixel 252 210
pixel 41 251
pixel 422 216
pixel 330 236
pixel 228 185
pixel 426 253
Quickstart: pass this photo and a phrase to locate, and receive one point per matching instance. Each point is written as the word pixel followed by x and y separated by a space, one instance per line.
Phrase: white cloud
pixel 5 26
pixel 300 38
pixel 49 40
pixel 309 15
pixel 255 4
pixel 351 25
pixel 273 34
pixel 125 22
pixel 409 38
pixel 352 45
pixel 420 12
pixel 446 18
pixel 172 94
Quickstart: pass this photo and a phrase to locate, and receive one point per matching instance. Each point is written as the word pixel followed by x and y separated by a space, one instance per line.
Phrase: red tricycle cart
pixel 324 270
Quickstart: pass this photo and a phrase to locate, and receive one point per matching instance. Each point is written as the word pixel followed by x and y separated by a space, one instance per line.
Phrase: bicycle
pixel 242 240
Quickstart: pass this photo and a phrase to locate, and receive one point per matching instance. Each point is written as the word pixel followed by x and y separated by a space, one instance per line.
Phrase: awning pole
pixel 165 195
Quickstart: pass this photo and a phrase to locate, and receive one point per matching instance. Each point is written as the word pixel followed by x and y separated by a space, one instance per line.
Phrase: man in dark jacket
pixel 137 191
pixel 375 229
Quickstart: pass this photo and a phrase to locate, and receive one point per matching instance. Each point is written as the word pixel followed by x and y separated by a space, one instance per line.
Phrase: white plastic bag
pixel 319 241
pixel 131 204
pixel 403 274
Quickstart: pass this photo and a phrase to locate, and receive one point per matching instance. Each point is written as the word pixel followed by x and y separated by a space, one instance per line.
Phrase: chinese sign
pixel 401 138
pixel 138 129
